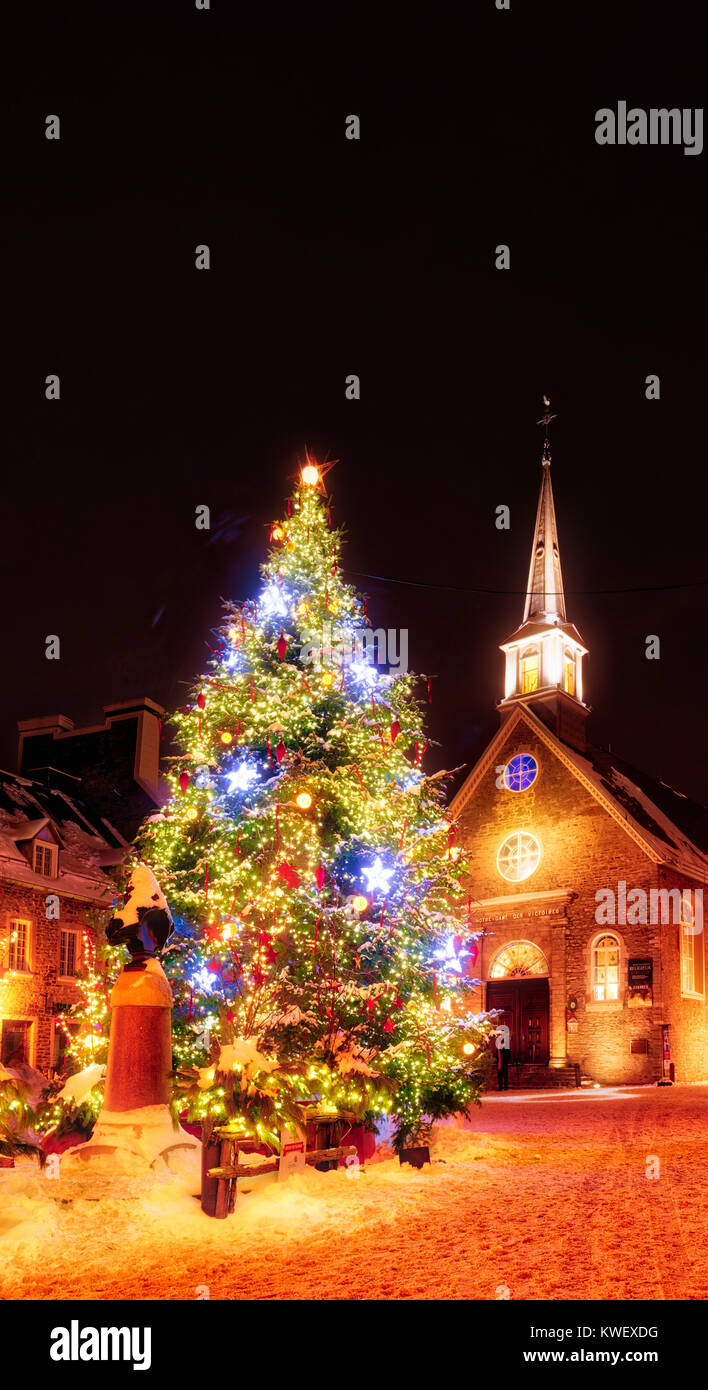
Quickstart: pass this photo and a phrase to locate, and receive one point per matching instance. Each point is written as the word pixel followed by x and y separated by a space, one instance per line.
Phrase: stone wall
pixel 583 849
pixel 39 994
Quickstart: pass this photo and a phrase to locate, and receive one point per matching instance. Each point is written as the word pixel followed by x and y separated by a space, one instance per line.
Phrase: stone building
pixel 586 875
pixel 66 820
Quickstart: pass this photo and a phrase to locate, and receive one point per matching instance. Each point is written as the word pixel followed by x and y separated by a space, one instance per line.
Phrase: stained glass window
pixel 520 772
pixel 518 855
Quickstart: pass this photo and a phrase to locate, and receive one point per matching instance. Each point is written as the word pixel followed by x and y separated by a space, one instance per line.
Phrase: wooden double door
pixel 525 1008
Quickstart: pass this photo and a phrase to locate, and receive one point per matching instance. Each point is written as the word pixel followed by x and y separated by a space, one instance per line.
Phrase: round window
pixel 518 855
pixel 520 772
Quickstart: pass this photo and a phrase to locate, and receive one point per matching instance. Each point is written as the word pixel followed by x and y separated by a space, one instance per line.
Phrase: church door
pixel 525 1007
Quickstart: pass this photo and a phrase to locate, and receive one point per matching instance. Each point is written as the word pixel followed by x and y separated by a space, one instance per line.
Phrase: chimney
pixel 47 725
pixel 148 716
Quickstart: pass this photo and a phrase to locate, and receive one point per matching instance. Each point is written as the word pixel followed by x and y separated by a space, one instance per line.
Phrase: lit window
pixel 529 673
pixel 67 955
pixel 518 959
pixel 520 772
pixel 569 675
pixel 691 952
pixel 605 968
pixel 43 860
pixel 519 854
pixel 18 946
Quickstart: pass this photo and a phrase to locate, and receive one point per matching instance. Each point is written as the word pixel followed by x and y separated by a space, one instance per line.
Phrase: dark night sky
pixel 329 257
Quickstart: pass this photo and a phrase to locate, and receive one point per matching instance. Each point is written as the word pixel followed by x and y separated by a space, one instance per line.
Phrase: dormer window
pixel 529 671
pixel 45 859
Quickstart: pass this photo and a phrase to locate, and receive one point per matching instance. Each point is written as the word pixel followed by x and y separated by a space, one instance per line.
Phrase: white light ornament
pixel 378 877
pixel 364 673
pixel 275 603
pixel 241 778
pixel 450 958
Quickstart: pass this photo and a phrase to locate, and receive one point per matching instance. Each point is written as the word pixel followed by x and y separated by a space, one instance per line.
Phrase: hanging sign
pixel 640 980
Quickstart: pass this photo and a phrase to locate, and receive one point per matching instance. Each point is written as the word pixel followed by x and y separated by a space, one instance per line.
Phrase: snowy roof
pixel 88 843
pixel 26 830
pixel 675 826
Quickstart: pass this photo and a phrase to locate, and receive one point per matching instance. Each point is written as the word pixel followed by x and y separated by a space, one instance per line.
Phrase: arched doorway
pixel 518 985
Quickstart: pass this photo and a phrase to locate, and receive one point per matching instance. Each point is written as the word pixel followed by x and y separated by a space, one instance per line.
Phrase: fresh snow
pixel 544 1195
pixel 243 1055
pixel 78 1086
pixel 143 891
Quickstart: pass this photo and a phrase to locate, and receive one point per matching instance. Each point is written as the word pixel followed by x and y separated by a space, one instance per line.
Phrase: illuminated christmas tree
pixel 309 861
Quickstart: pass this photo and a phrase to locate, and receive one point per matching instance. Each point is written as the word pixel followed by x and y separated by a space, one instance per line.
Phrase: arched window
pixel 569 673
pixel 529 670
pixel 518 856
pixel 606 967
pixel 517 959
pixel 691 950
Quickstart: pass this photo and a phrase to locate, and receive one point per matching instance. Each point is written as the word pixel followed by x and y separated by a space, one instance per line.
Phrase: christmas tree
pixel 310 863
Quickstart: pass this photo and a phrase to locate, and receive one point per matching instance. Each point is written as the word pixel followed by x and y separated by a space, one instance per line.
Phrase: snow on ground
pixel 543 1194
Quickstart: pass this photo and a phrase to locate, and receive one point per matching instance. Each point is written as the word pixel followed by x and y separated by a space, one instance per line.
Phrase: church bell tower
pixel 544 656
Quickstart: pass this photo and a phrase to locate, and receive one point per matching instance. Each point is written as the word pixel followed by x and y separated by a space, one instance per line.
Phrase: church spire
pixel 544 657
pixel 544 594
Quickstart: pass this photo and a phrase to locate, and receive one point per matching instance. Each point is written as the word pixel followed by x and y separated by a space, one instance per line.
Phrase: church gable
pixel 627 802
pixel 530 824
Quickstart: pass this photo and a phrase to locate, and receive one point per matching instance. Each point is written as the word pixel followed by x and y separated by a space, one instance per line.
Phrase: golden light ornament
pixel 468 1049
pixel 327 679
pixel 303 800
pixel 192 813
pixel 226 737
pixel 310 475
pixel 359 902
pixel 278 533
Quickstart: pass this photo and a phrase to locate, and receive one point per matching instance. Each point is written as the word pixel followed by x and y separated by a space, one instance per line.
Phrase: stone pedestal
pixel 135 1127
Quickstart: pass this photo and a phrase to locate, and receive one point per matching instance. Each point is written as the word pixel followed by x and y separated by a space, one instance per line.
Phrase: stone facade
pixel 584 847
pixel 36 994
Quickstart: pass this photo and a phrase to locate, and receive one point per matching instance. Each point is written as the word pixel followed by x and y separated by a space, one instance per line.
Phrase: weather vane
pixel 545 420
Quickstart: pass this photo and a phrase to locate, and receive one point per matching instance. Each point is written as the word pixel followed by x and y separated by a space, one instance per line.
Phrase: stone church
pixel 586 877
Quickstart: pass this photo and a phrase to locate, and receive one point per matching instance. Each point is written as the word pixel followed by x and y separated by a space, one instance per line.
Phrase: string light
pixel 290 934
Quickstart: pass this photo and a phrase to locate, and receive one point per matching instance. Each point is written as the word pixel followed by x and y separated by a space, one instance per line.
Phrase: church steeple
pixel 544 655
pixel 544 595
